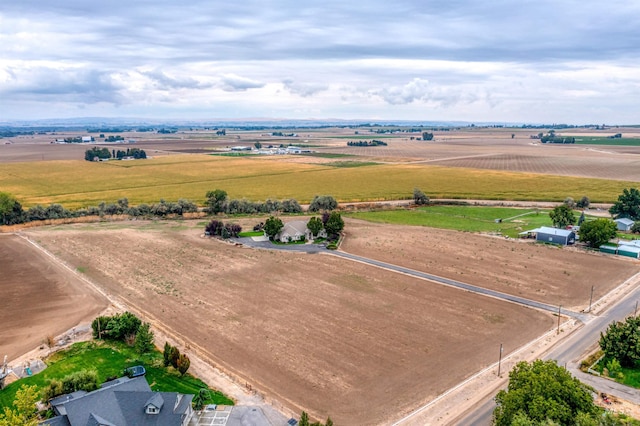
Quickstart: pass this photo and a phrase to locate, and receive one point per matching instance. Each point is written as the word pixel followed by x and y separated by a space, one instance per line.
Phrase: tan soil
pixel 39 298
pixel 313 332
pixel 558 276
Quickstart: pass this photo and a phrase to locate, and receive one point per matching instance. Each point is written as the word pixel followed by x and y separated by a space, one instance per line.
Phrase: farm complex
pixel 361 342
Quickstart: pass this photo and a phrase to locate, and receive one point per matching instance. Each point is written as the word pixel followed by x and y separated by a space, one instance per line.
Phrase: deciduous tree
pixel 542 391
pixel 272 226
pixel 216 200
pixel 628 204
pixel 10 210
pixel 335 224
pixel 562 215
pixel 315 225
pixel 323 202
pixel 621 341
pixel 24 413
pixel 597 232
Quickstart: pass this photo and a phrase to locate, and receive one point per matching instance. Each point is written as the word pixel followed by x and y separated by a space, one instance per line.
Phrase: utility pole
pixel 635 313
pixel 591 299
pixel 499 359
pixel 559 308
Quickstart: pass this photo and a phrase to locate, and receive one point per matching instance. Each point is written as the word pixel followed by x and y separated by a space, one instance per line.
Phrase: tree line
pixel 12 213
pixel 218 202
pixel 374 142
pixel 105 154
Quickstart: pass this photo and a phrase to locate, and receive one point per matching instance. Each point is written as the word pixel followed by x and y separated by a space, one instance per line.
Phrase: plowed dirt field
pixel 39 298
pixel 317 332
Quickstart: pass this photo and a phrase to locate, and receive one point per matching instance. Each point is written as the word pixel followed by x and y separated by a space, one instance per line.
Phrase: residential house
pixel 122 402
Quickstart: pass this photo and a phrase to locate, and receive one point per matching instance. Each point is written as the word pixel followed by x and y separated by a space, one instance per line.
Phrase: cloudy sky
pixel 548 61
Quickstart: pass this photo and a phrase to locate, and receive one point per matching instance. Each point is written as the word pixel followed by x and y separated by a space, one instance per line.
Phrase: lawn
pixel 110 359
pixel 251 234
pixel 463 218
pixel 631 376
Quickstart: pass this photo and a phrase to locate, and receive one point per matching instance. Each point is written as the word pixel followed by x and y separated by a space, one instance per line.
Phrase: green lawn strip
pixel 351 163
pixel 110 359
pixel 463 218
pixel 251 234
pixel 327 155
pixel 607 141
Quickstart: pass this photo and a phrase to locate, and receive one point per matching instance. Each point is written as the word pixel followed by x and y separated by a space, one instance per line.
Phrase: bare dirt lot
pixel 39 298
pixel 316 332
pixel 540 272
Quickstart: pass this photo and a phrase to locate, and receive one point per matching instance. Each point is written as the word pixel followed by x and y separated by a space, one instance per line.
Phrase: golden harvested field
pixel 80 183
pixel 468 163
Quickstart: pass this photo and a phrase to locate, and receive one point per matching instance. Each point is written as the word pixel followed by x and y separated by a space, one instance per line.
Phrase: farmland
pixel 317 332
pixel 80 183
pixel 313 341
pixel 34 287
pixel 498 166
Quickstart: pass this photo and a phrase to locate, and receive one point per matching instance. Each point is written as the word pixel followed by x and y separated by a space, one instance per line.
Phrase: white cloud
pixel 235 83
pixel 454 59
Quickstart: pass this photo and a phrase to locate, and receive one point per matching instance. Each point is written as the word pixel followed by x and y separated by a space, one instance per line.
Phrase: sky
pixel 527 61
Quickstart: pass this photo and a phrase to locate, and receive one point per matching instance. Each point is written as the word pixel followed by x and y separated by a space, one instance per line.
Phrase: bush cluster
pixel 116 327
pixel 173 357
pixel 86 380
pixel 217 228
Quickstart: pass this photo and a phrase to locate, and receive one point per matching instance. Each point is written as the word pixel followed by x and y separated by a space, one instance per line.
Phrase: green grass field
pixel 631 376
pixel 76 184
pixel 600 140
pixel 463 218
pixel 110 359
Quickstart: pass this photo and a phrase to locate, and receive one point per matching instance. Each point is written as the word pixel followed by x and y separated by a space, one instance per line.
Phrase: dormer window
pixel 152 410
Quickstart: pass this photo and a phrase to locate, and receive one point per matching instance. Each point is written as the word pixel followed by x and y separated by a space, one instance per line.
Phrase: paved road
pixel 570 352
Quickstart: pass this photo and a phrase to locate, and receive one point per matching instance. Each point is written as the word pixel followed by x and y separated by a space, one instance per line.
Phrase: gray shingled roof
pixel 123 402
pixel 155 400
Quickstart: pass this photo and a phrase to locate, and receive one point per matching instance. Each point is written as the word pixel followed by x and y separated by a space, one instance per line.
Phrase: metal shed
pixel 609 249
pixel 554 235
pixel 629 251
pixel 624 224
